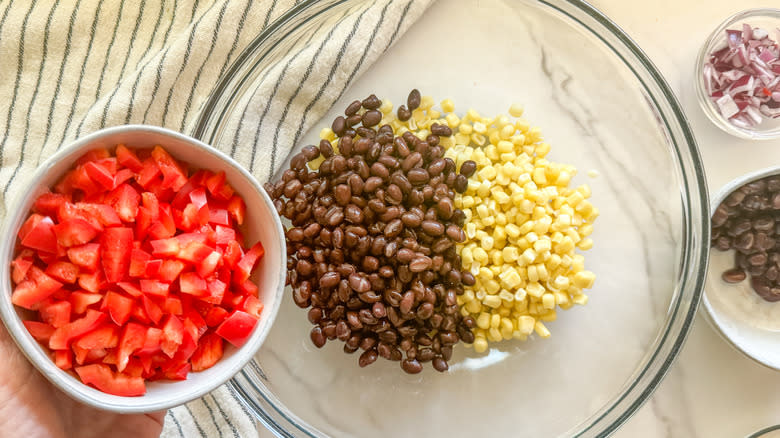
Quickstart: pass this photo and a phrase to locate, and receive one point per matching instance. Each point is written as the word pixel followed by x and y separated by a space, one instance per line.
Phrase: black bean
pixel 413 100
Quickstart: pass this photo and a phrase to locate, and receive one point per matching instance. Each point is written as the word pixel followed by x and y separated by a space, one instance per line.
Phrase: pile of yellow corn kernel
pixel 523 221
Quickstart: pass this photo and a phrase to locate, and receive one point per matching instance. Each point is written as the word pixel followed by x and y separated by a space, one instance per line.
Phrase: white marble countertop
pixel 712 390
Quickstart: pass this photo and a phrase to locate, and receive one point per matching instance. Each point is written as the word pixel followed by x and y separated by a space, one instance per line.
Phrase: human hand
pixel 31 407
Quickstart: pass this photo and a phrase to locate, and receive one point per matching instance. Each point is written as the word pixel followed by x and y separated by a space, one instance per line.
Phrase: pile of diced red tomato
pixel 135 269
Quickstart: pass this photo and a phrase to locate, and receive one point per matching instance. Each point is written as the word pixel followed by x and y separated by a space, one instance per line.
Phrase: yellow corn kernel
pixel 509 254
pixel 516 110
pixel 492 301
pixel 580 299
pixel 491 286
pixel 447 105
pixel 494 335
pixel 584 279
pixel 548 301
pixel 480 345
pixel 474 306
pixel 480 255
pixel 525 324
pixel 512 230
pixel 386 107
pixel 535 290
pixel 495 320
pixel 550 316
pixel 506 296
pixel 511 279
pixel 585 244
pixel 532 274
pixel 483 320
pixel 541 330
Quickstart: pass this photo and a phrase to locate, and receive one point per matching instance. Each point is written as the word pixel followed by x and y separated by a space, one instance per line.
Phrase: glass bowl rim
pixel 705 102
pixel 693 264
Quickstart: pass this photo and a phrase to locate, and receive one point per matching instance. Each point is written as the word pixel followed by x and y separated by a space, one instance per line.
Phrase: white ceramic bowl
pixel 262 225
pixel 735 311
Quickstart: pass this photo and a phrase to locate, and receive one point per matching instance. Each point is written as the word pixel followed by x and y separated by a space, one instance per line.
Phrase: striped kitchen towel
pixel 70 67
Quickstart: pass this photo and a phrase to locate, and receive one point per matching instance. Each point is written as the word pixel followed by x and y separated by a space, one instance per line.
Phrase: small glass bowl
pixel 767 18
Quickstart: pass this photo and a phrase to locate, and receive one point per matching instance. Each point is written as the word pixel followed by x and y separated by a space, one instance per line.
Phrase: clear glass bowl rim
pixel 705 102
pixel 248 384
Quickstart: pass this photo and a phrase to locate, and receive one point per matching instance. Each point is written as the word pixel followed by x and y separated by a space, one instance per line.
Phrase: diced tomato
pixel 82 181
pixel 155 287
pixel 215 316
pixel 194 317
pixel 38 288
pixel 63 271
pixel 91 281
pixel 148 174
pixel 125 200
pixel 117 242
pixel 80 301
pixel 101 377
pixel 153 311
pixel 219 216
pixel 48 204
pixel 122 176
pixel 170 269
pixel 94 155
pixel 153 268
pixel 39 330
pixel 63 359
pixel 247 263
pixel 237 328
pixel 38 233
pixel 139 314
pixel 79 353
pixel 132 338
pixel 187 219
pixel 62 336
pixel 85 256
pixel 151 342
pixel 173 335
pixel 19 267
pixel 119 307
pixel 165 227
pixel 214 182
pixel 232 254
pixel 209 352
pixel 248 288
pixel 100 175
pixel 179 371
pixel 128 158
pixel 95 355
pixel 199 200
pixel 165 247
pixel 103 214
pixel 106 336
pixel 195 252
pixel 209 264
pixel 224 235
pixel 173 306
pixel 173 174
pixel 55 313
pixel 138 260
pixel 237 209
pixel 74 232
pixel 191 283
pixel 182 197
pixel 150 202
pixel 252 305
pixel 132 289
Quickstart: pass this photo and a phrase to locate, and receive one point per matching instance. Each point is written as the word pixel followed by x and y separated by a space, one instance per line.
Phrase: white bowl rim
pixel 35 354
pixel 710 313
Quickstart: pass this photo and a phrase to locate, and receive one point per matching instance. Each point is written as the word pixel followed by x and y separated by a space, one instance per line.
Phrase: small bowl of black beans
pixel 742 293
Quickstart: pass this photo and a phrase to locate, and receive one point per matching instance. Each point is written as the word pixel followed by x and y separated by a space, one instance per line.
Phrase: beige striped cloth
pixel 69 67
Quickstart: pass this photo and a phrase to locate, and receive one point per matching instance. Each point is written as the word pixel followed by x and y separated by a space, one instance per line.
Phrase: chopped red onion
pixel 742 76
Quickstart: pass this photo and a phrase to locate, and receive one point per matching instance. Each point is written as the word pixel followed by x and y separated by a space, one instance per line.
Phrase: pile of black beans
pixel 371 246
pixel 748 221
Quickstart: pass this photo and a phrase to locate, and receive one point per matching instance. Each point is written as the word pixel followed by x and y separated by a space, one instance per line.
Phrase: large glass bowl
pixel 602 105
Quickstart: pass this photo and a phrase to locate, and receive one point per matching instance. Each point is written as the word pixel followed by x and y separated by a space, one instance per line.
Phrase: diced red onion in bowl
pixel 742 77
